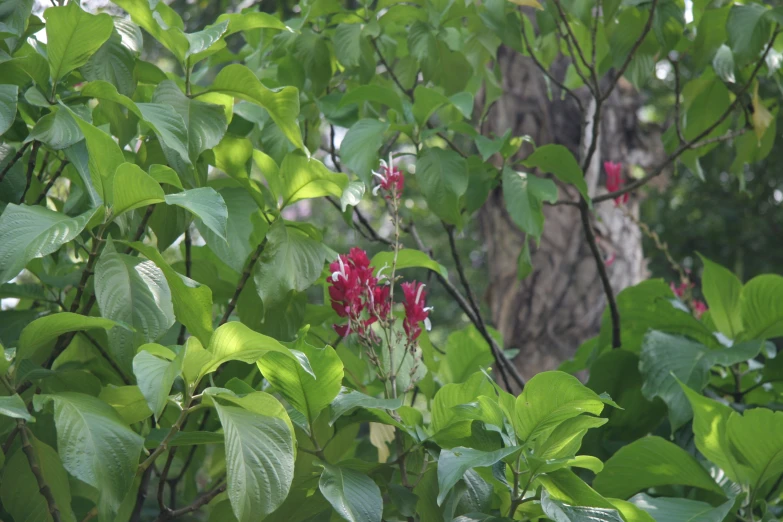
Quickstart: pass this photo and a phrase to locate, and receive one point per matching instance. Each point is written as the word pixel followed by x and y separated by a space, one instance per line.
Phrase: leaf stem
pixel 243 281
pixel 30 169
pixel 35 467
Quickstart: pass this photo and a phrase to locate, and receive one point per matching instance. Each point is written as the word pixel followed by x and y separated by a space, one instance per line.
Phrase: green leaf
pixel 192 301
pixel 550 398
pixel 13 406
pixel 113 63
pixel 291 261
pixel 347 44
pixel 104 157
pixel 161 22
pixel 558 160
pixel 425 102
pixel 206 123
pixel 8 98
pixel 201 41
pixel 373 93
pixel 443 178
pixel 452 395
pixel 723 63
pixel 58 130
pixel 128 401
pixel 19 483
pixel 206 204
pixel 251 20
pixel 524 195
pixel 722 290
pixel 236 342
pixel 666 358
pixel 467 352
pixel 305 178
pixel 259 457
pixel 651 462
pixel 352 195
pixel 408 258
pixel 679 509
pixel 27 233
pixel 96 446
pixel 453 463
pixel 360 146
pixel 748 30
pixel 524 263
pixel 168 125
pixel 72 36
pixel 306 392
pixel 134 188
pixel 282 105
pixel 155 377
pixel 241 229
pixel 196 358
pixel 135 292
pixel 761 303
pixel 164 174
pixel 14 16
pixel 183 438
pixel 353 495
pixel 44 330
pixel 755 436
pixel 348 400
pixel 562 512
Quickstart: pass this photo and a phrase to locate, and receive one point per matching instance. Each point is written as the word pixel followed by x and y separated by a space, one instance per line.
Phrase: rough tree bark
pixel 559 305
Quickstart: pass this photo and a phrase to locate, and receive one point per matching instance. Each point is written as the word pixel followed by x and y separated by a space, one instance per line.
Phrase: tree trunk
pixel 559 305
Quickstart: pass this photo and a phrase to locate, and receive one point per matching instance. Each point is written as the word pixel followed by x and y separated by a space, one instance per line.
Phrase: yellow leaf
pixel 380 435
pixel 761 115
pixel 528 3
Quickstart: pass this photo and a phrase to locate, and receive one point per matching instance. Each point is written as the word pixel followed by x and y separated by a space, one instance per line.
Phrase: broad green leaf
pixel 443 178
pixel 128 401
pixel 290 261
pixel 134 188
pixel 723 63
pixel 722 290
pixel 8 99
pixel 58 130
pixel 183 438
pixel 236 342
pixel 524 262
pixel 306 392
pixel 651 462
pixel 164 174
pixel 113 62
pixel 14 16
pixel 19 487
pixel 104 157
pixel 352 195
pixel 241 224
pixel 259 460
pixel 155 377
pixel 558 160
pixel 305 178
pixel 161 22
pixel 206 204
pixel 282 105
pixel 27 233
pixel 754 439
pixel 452 395
pixel 95 445
pixel 201 41
pixel 401 360
pixel 135 292
pixel 665 509
pixel 373 93
pixel 38 334
pixel 565 486
pixel 566 439
pixel 666 358
pixel 748 29
pixel 562 512
pixel 360 146
pixel 251 20
pixel 206 123
pixel 550 398
pixel 407 258
pixel 192 301
pixel 168 125
pixel 467 352
pixel 425 102
pixel 453 463
pixel 354 496
pixel 196 358
pixel 761 303
pixel 13 406
pixel 348 400
pixel 524 195
pixel 72 36
pixel 347 44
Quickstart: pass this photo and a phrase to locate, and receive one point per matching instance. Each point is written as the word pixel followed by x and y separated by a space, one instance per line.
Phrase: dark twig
pixel 17 156
pixel 332 150
pixel 188 263
pixel 195 505
pixel 162 481
pixel 370 233
pixel 35 467
pixel 396 80
pixel 88 270
pixel 142 226
pixel 50 183
pixel 106 356
pixel 243 281
pixel 30 169
pixel 568 37
pixel 141 495
pixel 677 121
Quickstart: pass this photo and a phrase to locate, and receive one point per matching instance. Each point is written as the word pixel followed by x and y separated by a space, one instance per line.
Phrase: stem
pixel 32 459
pixel 106 356
pixel 170 435
pixel 243 281
pixel 50 183
pixel 677 120
pixel 88 269
pixel 141 495
pixel 17 156
pixel 195 505
pixel 142 226
pixel 188 263
pixel 30 169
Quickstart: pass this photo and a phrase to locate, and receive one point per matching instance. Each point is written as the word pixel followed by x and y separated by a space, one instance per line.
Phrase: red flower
pixel 680 289
pixel 415 311
pixel 699 307
pixel 615 180
pixel 353 289
pixel 391 179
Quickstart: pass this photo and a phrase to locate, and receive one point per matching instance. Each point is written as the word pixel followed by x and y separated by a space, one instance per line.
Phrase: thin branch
pixel 17 156
pixel 195 505
pixel 162 481
pixel 370 234
pixel 188 263
pixel 635 48
pixel 396 80
pixel 243 281
pixel 677 121
pixel 571 34
pixel 593 87
pixel 192 452
pixel 32 459
pixel 88 270
pixel 141 495
pixel 50 183
pixel 30 169
pixel 142 226
pixel 106 356
pixel 165 442
pixel 332 150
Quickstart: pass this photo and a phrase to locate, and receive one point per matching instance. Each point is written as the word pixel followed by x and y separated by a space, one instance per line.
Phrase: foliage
pixel 237 365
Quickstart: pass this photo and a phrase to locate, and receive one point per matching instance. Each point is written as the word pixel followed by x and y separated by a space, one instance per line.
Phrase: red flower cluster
pixel 390 180
pixel 615 180
pixel 364 299
pixel 679 290
pixel 415 311
pixel 699 307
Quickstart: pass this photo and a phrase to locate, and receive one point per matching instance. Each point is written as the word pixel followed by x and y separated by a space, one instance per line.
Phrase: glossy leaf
pixel 155 377
pixel 305 178
pixel 134 188
pixel 13 406
pixel 678 509
pixel 360 146
pixel 353 495
pixel 761 305
pixel 8 97
pixel 206 204
pixel 72 36
pixel 524 195
pixel 408 258
pixel 722 291
pixel 558 160
pixel 453 463
pixel 41 332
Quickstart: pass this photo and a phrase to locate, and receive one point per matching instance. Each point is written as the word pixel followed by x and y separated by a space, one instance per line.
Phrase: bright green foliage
pixel 176 297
